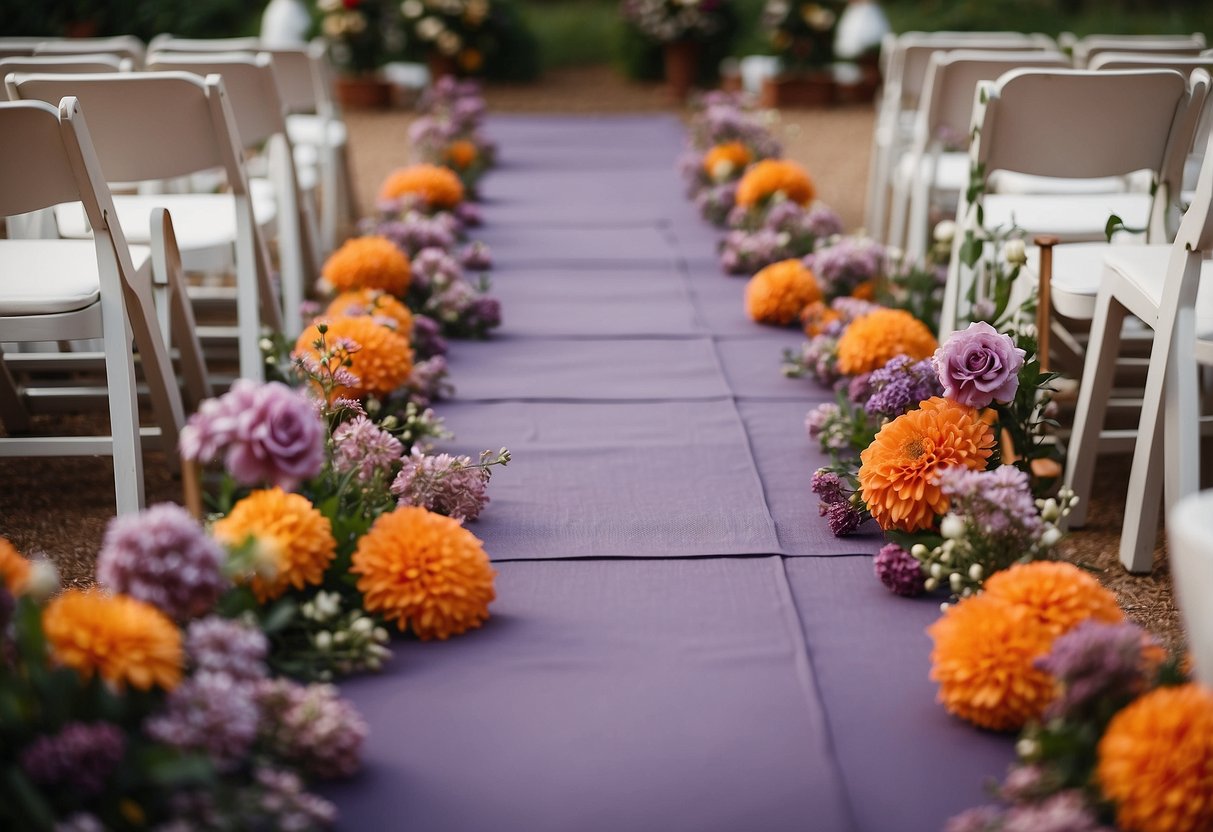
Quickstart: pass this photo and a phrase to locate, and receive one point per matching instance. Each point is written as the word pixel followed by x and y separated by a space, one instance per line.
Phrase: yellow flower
pixel 1156 761
pixel 374 303
pixel 368 263
pixel 437 186
pixel 426 571
pixel 298 535
pixel 772 176
pixel 984 661
pixel 382 362
pixel 124 640
pixel 778 293
pixel 872 340
pixel 1059 595
pixel 14 569
pixel 897 471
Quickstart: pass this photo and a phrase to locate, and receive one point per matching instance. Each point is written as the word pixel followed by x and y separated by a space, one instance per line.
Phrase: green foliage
pixel 143 18
pixel 1082 17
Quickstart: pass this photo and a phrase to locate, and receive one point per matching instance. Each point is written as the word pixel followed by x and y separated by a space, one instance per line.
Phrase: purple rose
pixel 979 366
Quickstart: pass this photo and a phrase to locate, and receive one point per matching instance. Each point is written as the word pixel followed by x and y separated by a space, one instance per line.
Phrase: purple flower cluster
pixel 444 484
pixel 819 357
pixel 268 433
pixel 821 425
pixel 979 366
pixel 222 645
pixel 363 449
pixel 745 252
pixel 427 382
pixel 413 231
pixel 998 504
pixel 779 232
pixel 900 571
pixel 212 713
pixel 840 267
pixel 283 803
pixel 82 755
pixel 427 337
pixel 434 267
pixel 1066 811
pixel 724 118
pixel 715 202
pixel 900 386
pixel 311 727
pixel 162 556
pixel 842 515
pixel 476 256
pixel 1097 664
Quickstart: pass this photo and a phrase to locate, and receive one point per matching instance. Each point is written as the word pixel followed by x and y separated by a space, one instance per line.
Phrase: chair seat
pixel 48 277
pixel 1077 274
pixel 1009 182
pixel 305 129
pixel 1072 218
pixel 951 174
pixel 1143 270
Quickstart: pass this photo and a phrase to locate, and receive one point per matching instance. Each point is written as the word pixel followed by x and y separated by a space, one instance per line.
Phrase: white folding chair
pixel 124 46
pixel 1086 49
pixel 171 43
pixel 1190 546
pixel 100 62
pixel 1170 289
pixel 1074 124
pixel 163 126
pixel 927 172
pixel 17 47
pixel 253 92
pixel 61 290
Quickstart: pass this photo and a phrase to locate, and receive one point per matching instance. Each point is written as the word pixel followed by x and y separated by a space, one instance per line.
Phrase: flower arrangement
pixel 667 21
pixel 448 131
pixel 355 31
pixel 802 33
pixel 775 180
pixel 435 188
pixel 777 293
pixel 461 32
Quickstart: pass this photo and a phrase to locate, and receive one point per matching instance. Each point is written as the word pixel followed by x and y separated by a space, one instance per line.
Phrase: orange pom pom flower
pixel 424 571
pixel 374 303
pixel 461 154
pixel 437 186
pixel 125 641
pixel 1059 595
pixel 897 471
pixel 1155 761
pixel 724 161
pixel 778 293
pixel 380 363
pixel 368 263
pixel 984 661
pixel 293 532
pixel 14 569
pixel 775 176
pixel 872 340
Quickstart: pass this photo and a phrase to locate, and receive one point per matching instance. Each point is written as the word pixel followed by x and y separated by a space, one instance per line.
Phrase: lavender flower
pixel 900 386
pixel 80 822
pixel 979 365
pixel 162 556
pixel 997 503
pixel 1063 812
pixel 311 727
pixel 981 819
pixel 469 216
pixel 822 222
pixel 477 257
pixel 900 571
pixel 427 382
pixel 1026 783
pixel 819 357
pixel 842 518
pixel 83 755
pixel 819 419
pixel 434 268
pixel 283 803
pixel 268 432
pixel 842 266
pixel 745 252
pixel 361 448
pixel 226 646
pixel 1098 665
pixel 212 713
pixel 445 484
pixel 859 388
pixel 828 486
pixel 427 338
pixel 413 232
pixel 715 202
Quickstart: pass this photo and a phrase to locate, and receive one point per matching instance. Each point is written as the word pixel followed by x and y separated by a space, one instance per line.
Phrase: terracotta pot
pixel 440 65
pixel 364 92
pixel 681 67
pixel 813 90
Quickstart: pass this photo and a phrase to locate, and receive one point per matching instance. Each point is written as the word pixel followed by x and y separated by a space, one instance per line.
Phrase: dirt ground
pixel 60 507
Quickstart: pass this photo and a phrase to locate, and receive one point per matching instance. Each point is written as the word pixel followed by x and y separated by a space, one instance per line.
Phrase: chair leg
pixel 1182 413
pixel 899 205
pixel 290 237
pixel 166 258
pixel 13 414
pixel 918 232
pixel 1097 378
pixel 873 218
pixel 349 188
pixel 123 412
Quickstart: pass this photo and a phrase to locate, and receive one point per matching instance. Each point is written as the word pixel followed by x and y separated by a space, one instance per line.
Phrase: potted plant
pixel 355 31
pixel 454 37
pixel 681 27
pixel 802 34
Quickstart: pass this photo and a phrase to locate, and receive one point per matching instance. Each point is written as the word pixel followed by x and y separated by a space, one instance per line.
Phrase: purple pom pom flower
pixel 900 571
pixel 82 755
pixel 978 366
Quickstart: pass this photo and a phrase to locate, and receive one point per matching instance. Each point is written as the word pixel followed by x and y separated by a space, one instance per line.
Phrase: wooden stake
pixel 191 485
pixel 1044 299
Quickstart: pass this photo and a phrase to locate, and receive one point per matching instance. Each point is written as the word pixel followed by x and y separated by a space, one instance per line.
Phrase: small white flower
pixel 722 170
pixel 918 550
pixel 930 584
pixel 412 9
pixel 323 641
pixel 362 625
pixel 1015 252
pixel 1027 749
pixel 1049 510
pixel 944 606
pixel 43 580
pixel 1050 537
pixel 449 42
pixel 936 571
pixel 975 572
pixel 429 28
pixel 952 527
pixel 956 581
pixel 945 230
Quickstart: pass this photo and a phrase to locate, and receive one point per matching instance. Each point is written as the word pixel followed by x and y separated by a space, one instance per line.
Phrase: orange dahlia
pixel 438 186
pixel 1059 595
pixel 775 176
pixel 897 471
pixel 462 153
pixel 873 339
pixel 817 316
pixel 424 570
pixel 723 160
pixel 374 303
pixel 984 661
pixel 1155 761
pixel 778 293
pixel 124 640
pixel 368 263
pixel 382 362
pixel 14 569
pixel 295 533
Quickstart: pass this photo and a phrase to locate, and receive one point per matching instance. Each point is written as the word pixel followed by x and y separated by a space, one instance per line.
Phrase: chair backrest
pixel 1152 60
pixel 170 43
pixel 65 64
pixel 952 77
pixel 304 77
pixel 1196 228
pixel 149 125
pixel 250 82
pixel 16 47
pixel 124 46
pixel 908 68
pixel 1085 49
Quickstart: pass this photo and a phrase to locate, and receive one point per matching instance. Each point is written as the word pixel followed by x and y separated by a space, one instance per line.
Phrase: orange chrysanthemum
pixel 14 569
pixel 872 340
pixel 984 661
pixel 368 263
pixel 772 176
pixel 127 642
pixel 1156 761
pixel 299 538
pixel 865 290
pixel 897 471
pixel 436 185
pixel 778 293
pixel 426 571
pixel 382 362
pixel 723 160
pixel 1060 595
pixel 461 153
pixel 817 316
pixel 374 303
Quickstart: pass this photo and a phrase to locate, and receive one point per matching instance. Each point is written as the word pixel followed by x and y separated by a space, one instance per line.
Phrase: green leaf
pixel 970 250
